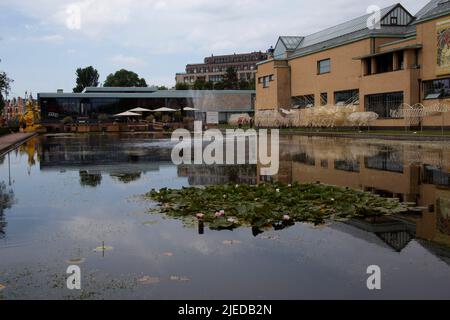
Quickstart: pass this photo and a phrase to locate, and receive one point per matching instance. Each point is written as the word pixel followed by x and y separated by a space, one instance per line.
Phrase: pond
pixel 75 199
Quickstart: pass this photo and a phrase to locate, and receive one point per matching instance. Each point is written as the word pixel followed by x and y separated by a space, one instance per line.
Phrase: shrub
pixel 67 120
pixel 13 124
pixel 166 118
pixel 158 116
pixel 178 116
pixel 150 119
pixel 103 117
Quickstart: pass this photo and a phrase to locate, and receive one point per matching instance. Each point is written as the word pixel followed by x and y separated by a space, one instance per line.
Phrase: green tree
pixel 86 77
pixel 230 79
pixel 124 78
pixel 244 85
pixel 209 85
pixel 162 88
pixel 5 86
pixel 199 84
pixel 182 86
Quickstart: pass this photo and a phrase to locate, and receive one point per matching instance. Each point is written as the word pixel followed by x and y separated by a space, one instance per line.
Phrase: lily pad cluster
pixel 271 205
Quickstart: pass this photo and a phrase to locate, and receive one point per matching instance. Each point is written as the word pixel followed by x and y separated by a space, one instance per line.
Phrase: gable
pixel 398 16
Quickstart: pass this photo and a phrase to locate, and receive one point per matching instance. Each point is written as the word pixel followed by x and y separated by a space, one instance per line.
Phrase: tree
pixel 230 79
pixel 209 85
pixel 162 88
pixel 124 78
pixel 182 86
pixel 5 86
pixel 199 84
pixel 86 77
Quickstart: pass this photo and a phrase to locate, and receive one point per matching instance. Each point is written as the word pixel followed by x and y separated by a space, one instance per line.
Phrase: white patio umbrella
pixel 140 110
pixel 165 110
pixel 127 114
pixel 190 109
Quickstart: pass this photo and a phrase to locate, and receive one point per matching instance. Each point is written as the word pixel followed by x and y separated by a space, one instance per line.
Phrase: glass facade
pixel 55 109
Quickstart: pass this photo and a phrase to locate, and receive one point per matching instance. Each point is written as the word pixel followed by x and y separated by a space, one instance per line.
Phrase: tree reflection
pixel 127 177
pixel 6 202
pixel 90 179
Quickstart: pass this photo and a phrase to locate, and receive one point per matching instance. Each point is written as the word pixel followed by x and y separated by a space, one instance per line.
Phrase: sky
pixel 43 42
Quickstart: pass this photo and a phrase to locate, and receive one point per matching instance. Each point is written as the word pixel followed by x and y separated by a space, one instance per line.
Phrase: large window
pixel 266 80
pixel 324 66
pixel 384 104
pixel 436 89
pixel 303 101
pixel 323 99
pixel 346 97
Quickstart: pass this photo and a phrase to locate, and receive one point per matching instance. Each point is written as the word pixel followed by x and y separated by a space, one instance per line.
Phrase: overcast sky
pixel 42 44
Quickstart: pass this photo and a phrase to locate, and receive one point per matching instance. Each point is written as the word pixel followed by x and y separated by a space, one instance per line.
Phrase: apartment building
pixel 403 60
pixel 214 68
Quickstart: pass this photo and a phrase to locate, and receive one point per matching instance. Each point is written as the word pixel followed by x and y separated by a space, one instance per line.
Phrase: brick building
pixel 214 68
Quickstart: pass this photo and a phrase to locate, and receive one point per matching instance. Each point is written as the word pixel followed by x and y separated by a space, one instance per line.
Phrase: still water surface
pixel 63 196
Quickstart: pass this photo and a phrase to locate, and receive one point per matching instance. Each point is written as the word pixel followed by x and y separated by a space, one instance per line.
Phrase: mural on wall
pixel 443 47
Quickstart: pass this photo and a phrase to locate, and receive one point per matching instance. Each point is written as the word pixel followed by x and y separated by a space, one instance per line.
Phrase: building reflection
pixel 6 202
pixel 412 172
pixel 124 158
pixel 202 175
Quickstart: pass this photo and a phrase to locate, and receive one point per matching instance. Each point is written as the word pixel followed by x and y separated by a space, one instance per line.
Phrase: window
pixel 400 60
pixel 384 104
pixel 324 66
pixel 323 99
pixel 347 165
pixel 346 97
pixel 436 89
pixel 385 63
pixel 301 102
pixel 265 80
pixel 394 21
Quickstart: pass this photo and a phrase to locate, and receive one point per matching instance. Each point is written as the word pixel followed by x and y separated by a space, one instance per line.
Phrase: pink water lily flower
pixel 219 214
pixel 286 217
pixel 200 216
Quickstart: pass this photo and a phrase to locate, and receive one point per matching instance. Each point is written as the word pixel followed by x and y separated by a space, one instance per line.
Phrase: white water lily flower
pixel 278 190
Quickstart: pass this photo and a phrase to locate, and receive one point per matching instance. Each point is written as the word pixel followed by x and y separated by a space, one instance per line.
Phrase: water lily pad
pixel 273 206
pixel 76 261
pixel 231 242
pixel 148 280
pixel 179 278
pixel 150 223
pixel 103 248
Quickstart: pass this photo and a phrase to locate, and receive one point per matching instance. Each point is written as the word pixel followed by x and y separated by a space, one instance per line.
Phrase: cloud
pixel 53 38
pixel 159 37
pixel 126 61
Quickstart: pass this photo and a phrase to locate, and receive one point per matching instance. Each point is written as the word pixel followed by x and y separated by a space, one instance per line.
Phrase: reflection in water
pixel 90 179
pixel 74 190
pixel 405 170
pixel 6 202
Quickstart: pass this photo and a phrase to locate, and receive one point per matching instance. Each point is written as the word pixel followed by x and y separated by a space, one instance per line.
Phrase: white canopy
pixel 127 114
pixel 140 110
pixel 190 109
pixel 165 110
